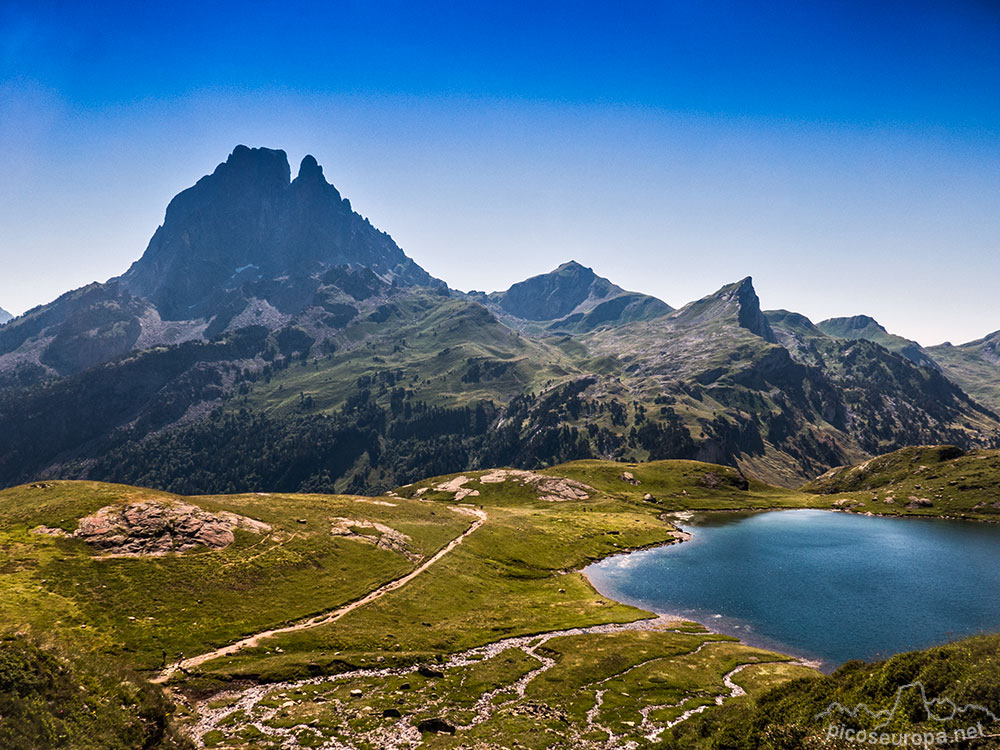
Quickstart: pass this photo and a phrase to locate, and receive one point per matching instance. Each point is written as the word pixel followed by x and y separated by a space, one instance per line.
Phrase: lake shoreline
pixel 938 632
pixel 681 536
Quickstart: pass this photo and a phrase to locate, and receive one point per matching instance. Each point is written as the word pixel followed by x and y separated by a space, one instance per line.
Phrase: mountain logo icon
pixel 937 709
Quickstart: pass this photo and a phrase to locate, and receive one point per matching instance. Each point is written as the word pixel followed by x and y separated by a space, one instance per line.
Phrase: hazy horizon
pixel 845 157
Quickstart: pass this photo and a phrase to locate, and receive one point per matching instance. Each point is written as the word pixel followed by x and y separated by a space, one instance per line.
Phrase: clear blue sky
pixel 844 154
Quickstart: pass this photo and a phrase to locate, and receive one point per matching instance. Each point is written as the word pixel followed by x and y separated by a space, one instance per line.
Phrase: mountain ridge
pixel 317 355
pixel 866 327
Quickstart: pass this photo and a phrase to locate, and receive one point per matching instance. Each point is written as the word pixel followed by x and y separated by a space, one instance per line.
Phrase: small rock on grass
pixel 436 725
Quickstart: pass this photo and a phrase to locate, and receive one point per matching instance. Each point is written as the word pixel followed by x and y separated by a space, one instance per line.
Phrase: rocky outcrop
pixel 435 725
pixel 157 527
pixel 728 480
pixel 377 534
pixel 549 489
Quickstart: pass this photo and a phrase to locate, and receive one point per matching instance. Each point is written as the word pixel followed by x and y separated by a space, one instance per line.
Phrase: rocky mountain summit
pixel 245 246
pixel 738 301
pixel 571 298
pixel 248 224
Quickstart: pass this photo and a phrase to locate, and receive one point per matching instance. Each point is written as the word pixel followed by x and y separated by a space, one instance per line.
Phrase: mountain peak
pixel 750 315
pixel 553 295
pixel 257 164
pixel 574 298
pixel 5 316
pixel 853 323
pixel 311 180
pixel 574 267
pixel 310 169
pixel 739 299
pixel 867 328
pixel 248 214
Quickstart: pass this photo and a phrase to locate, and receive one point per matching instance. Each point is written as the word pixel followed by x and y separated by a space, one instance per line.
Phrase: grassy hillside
pixel 974 366
pixel 146 610
pixel 436 347
pixel 520 648
pixel 51 697
pixel 526 553
pixel 928 481
pixel 504 612
pixel 793 716
pixel 451 609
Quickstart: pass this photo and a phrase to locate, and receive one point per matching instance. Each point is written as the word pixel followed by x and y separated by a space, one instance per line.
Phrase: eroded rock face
pixel 157 527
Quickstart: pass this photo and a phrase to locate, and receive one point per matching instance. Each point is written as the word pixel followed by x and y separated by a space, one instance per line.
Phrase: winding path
pixel 332 616
pixel 402 734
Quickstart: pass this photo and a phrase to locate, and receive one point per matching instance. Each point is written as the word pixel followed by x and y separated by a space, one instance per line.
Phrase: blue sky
pixel 844 154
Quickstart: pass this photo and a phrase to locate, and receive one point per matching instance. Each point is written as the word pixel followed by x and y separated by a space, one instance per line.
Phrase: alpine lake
pixel 821 585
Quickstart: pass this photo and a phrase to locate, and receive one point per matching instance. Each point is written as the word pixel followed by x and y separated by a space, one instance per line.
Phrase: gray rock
pixel 157 527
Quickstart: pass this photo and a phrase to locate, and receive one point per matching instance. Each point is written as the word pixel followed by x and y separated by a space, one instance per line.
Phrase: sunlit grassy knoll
pixel 144 607
pixel 929 481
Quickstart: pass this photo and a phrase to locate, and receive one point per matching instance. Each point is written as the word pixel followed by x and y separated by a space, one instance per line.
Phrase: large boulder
pixel 157 527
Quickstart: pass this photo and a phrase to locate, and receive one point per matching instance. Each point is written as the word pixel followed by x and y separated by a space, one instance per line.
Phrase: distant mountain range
pixel 271 338
pixel 5 316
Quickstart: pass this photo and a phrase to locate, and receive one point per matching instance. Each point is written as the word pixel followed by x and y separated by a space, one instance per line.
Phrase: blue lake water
pixel 820 585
